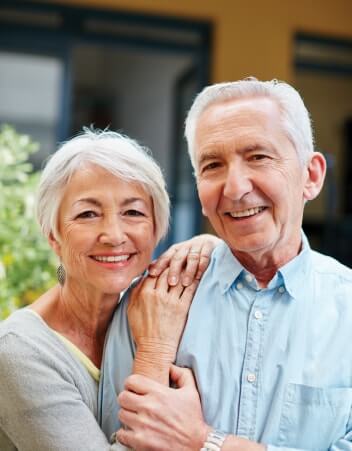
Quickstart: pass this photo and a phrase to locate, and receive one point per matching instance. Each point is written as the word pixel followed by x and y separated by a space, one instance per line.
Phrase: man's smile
pixel 239 214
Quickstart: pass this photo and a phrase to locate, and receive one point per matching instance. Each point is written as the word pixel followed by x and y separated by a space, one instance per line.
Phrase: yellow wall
pixel 251 37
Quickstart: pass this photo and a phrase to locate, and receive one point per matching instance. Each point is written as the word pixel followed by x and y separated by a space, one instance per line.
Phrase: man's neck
pixel 265 265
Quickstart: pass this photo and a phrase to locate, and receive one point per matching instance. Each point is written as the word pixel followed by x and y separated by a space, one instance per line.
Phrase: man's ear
pixel 54 244
pixel 316 171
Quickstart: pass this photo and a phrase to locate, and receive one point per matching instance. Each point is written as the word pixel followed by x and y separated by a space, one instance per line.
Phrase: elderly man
pixel 268 332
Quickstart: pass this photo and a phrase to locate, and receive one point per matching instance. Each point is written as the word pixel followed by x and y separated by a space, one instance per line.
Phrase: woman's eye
pixel 258 157
pixel 134 213
pixel 87 214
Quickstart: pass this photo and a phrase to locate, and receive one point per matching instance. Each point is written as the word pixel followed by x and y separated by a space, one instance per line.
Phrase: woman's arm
pixel 157 315
pixel 158 307
pixel 44 405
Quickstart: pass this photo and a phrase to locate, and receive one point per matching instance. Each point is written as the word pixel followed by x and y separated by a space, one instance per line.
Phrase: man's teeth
pixel 111 258
pixel 244 213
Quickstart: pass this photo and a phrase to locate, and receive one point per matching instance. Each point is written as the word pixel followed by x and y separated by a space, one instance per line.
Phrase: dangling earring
pixel 61 274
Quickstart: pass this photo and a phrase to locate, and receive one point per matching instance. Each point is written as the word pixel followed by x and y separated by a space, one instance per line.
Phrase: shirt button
pixel 281 289
pixel 249 277
pixel 251 377
pixel 239 285
pixel 258 314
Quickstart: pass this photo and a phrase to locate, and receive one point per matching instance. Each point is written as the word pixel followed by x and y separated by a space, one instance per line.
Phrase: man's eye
pixel 210 166
pixel 87 214
pixel 134 213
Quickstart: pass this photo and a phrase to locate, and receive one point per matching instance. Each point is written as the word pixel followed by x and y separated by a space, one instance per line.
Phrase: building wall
pixel 250 37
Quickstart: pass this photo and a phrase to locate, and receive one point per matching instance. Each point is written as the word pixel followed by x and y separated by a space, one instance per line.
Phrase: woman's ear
pixel 54 244
pixel 316 170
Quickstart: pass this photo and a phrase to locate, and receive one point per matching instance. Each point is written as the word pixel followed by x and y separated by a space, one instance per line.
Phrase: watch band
pixel 214 441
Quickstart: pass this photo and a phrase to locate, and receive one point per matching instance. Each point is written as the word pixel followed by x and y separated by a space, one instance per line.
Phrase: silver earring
pixel 61 274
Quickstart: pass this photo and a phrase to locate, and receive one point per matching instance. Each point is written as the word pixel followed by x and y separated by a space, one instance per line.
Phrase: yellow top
pixel 86 362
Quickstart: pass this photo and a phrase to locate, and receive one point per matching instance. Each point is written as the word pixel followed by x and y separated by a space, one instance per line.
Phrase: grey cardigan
pixel 48 400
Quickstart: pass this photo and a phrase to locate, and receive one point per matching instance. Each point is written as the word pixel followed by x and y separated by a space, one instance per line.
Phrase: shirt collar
pixel 226 266
pixel 292 275
pixel 295 272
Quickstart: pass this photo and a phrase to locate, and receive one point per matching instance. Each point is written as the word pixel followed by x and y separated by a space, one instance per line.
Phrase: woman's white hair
pixel 295 118
pixel 117 154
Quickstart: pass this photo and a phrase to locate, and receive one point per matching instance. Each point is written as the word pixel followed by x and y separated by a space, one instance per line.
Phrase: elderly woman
pixel 103 207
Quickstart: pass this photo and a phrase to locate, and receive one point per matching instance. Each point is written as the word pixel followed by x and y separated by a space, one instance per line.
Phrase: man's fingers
pixel 141 384
pixel 125 437
pixel 129 400
pixel 127 417
pixel 182 377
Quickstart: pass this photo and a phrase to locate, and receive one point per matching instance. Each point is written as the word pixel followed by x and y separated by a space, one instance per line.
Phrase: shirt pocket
pixel 314 417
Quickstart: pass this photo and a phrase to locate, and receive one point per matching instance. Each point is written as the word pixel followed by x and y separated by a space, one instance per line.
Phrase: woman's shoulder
pixel 22 322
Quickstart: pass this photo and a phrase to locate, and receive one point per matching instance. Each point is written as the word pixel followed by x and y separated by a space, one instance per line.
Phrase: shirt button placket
pixel 249 386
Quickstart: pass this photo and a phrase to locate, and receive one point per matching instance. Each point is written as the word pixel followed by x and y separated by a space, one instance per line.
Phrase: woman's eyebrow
pixel 131 200
pixel 88 200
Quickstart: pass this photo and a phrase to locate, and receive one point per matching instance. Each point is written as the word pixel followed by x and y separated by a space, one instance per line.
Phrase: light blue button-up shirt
pixel 273 365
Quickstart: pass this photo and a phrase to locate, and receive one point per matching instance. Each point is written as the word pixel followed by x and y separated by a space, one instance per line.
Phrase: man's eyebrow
pixel 206 156
pixel 256 146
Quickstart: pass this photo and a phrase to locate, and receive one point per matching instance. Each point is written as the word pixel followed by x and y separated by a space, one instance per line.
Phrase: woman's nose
pixel 112 233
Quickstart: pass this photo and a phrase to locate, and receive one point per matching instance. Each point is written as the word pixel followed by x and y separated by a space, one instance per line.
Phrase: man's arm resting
pixel 162 418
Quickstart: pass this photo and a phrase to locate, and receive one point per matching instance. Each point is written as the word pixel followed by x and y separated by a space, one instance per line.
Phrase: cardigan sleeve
pixel 43 405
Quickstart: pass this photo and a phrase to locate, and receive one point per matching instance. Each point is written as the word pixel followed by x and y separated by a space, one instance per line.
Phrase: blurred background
pixel 136 65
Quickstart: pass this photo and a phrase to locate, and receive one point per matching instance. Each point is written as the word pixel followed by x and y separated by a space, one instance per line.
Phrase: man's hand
pixel 161 418
pixel 186 260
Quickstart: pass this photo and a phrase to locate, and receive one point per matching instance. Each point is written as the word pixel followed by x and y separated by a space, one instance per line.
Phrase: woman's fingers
pixel 157 266
pixel 188 293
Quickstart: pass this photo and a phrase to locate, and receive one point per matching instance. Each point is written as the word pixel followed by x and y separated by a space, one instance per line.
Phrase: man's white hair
pixel 117 154
pixel 296 122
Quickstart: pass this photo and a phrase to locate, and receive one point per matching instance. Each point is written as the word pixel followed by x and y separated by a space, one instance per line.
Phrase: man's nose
pixel 112 232
pixel 238 182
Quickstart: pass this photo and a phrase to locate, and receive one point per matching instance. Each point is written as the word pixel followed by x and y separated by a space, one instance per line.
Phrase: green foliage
pixel 27 265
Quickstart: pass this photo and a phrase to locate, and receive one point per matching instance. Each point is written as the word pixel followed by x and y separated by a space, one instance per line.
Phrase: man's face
pixel 250 182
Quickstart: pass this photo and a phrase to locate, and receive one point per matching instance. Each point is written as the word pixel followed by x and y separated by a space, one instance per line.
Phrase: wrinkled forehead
pixel 235 119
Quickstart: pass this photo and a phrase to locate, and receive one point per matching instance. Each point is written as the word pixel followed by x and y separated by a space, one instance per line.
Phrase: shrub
pixel 27 265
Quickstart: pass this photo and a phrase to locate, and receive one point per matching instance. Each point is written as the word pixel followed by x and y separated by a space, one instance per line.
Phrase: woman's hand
pixel 157 315
pixel 186 260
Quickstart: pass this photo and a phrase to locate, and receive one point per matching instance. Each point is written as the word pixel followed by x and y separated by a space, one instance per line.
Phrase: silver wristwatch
pixel 214 441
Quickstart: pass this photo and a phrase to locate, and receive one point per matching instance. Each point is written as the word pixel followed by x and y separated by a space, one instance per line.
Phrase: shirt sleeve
pixel 42 407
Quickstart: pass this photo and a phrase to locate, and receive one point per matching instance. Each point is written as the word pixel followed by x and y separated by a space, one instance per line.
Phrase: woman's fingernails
pixel 186 281
pixel 173 280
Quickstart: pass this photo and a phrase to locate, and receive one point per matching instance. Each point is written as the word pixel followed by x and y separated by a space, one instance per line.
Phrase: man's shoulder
pixel 326 266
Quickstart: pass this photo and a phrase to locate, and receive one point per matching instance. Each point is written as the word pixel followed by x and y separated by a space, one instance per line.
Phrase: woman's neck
pixel 80 318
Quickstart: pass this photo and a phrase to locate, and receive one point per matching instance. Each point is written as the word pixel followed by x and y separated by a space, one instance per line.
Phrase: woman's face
pixel 107 231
